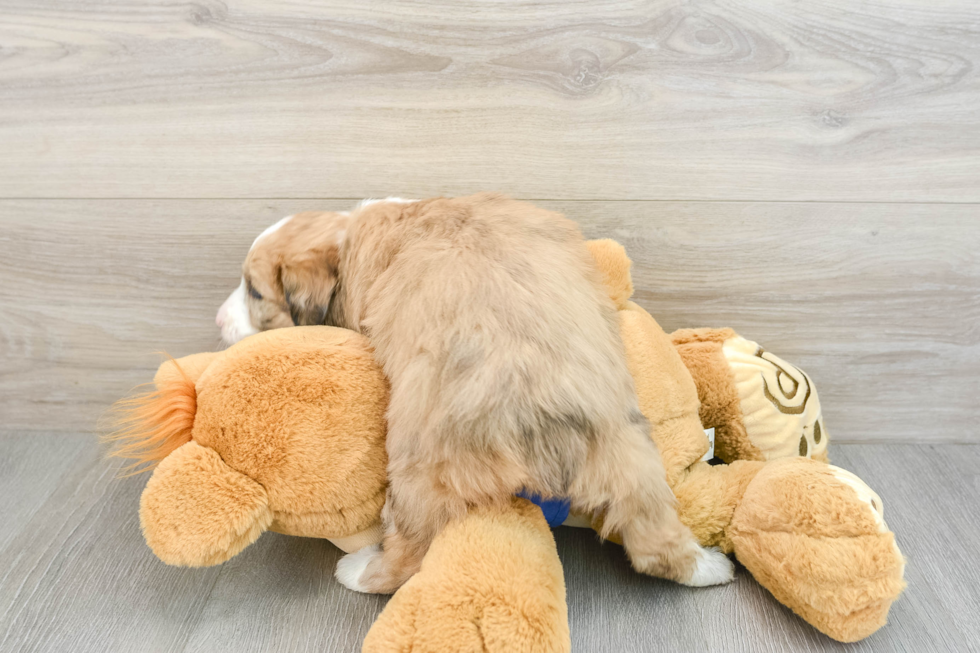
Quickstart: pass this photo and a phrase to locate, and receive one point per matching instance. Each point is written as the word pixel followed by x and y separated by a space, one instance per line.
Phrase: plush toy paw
pixel 351 567
pixel 490 583
pixel 814 535
pixel 197 511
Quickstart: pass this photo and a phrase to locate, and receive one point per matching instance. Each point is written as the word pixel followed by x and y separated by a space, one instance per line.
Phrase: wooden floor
pixel 76 576
pixel 805 172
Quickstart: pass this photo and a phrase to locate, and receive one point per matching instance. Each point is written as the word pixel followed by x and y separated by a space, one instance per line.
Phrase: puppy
pixel 506 367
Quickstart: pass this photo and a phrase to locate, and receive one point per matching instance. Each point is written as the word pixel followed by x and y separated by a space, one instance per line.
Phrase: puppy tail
pixel 147 426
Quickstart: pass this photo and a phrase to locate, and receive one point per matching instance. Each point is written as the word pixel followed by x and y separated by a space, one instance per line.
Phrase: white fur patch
pixel 351 567
pixel 233 317
pixel 269 230
pixel 712 567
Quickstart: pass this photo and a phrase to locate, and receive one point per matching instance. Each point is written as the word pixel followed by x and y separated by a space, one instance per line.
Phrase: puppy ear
pixel 308 284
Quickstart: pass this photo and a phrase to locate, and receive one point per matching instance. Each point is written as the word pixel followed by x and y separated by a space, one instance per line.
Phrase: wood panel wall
pixel 808 173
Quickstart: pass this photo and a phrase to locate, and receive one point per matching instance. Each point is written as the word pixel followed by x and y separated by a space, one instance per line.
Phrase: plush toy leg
pixel 197 511
pixel 708 496
pixel 814 536
pixel 492 582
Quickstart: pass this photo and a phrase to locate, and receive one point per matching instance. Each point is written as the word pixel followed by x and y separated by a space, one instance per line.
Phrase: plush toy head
pixel 283 431
pixel 760 406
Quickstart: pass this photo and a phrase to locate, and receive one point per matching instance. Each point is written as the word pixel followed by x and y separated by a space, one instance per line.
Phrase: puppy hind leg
pixel 624 476
pixel 380 570
pixel 414 513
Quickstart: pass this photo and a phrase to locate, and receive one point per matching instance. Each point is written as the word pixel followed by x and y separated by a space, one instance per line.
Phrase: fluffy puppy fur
pixel 505 363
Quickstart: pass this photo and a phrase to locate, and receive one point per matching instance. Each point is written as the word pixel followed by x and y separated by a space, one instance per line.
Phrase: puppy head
pixel 288 277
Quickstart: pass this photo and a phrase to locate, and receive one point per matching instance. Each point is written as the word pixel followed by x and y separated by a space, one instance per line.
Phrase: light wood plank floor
pixel 76 576
pixel 808 173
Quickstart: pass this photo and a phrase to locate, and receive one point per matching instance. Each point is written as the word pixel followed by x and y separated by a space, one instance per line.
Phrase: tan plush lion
pixel 285 431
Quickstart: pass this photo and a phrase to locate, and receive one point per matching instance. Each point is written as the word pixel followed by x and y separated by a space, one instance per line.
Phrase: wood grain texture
pixel 93 291
pixel 626 99
pixel 880 304
pixel 76 576
pixel 29 474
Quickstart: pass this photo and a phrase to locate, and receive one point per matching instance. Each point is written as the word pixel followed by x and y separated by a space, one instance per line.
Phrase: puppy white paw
pixel 711 567
pixel 351 567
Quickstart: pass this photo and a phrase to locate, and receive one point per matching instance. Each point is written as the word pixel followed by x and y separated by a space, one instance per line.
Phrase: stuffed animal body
pixel 285 431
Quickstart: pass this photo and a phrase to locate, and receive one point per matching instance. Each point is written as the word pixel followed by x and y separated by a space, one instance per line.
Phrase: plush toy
pixel 285 431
